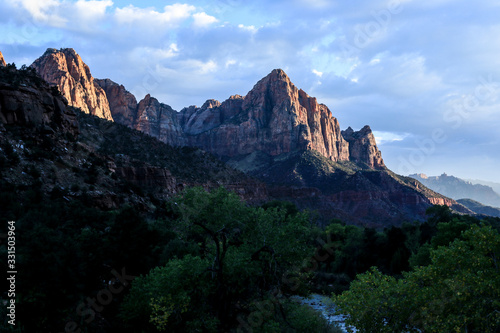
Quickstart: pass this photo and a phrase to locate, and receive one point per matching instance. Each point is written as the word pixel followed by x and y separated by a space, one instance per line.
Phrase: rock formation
pixel 122 104
pixel 66 70
pixel 2 60
pixel 159 120
pixel 363 148
pixel 26 100
pixel 274 117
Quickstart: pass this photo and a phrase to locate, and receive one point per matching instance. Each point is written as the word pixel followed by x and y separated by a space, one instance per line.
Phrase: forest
pixel 208 262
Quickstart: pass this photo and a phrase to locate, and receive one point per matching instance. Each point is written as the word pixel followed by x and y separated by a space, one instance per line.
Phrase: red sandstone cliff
pixel 274 117
pixel 363 148
pixel 122 103
pixel 66 70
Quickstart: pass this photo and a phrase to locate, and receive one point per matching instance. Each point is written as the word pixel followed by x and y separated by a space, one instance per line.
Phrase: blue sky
pixel 424 74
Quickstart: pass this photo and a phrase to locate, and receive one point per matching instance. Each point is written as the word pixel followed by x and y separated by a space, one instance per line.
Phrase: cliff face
pixel 66 70
pixel 363 147
pixel 274 117
pixel 159 120
pixel 122 104
pixel 25 100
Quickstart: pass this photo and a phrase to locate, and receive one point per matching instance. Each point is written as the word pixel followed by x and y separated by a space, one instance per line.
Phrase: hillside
pixel 479 208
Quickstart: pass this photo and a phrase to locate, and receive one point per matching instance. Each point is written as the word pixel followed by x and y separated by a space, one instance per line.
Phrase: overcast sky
pixel 424 74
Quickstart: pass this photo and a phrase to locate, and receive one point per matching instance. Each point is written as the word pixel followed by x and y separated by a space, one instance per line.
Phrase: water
pixel 324 305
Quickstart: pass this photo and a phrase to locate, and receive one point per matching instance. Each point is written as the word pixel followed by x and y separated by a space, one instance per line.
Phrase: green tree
pixel 458 292
pixel 243 253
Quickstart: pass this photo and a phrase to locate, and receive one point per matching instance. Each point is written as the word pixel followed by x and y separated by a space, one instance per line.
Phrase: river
pixel 324 305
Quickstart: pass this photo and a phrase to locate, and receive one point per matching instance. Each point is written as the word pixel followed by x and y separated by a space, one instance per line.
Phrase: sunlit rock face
pixel 65 69
pixel 363 147
pixel 275 117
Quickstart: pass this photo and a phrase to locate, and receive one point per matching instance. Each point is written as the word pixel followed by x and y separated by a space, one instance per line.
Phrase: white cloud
pixel 171 16
pixel 249 28
pixel 42 11
pixel 230 62
pixel 92 9
pixel 203 20
pixel 386 137
pixel 318 73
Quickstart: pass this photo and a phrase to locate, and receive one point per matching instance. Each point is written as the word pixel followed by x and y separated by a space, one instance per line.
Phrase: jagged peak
pixel 210 103
pixel 278 75
pixel 66 51
pixel 349 133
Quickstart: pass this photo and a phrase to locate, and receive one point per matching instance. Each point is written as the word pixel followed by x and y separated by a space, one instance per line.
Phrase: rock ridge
pixel 275 117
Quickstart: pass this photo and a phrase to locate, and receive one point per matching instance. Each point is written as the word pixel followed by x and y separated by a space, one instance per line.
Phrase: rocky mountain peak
pixel 2 60
pixel 275 117
pixel 363 147
pixel 210 104
pixel 65 69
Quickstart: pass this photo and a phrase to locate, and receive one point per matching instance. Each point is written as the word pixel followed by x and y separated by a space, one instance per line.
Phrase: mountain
pixel 25 99
pixel 50 149
pixel 65 69
pixel 277 133
pixel 493 185
pixel 275 117
pixel 479 208
pixel 457 188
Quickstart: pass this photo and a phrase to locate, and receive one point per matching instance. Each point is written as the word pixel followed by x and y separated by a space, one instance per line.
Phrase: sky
pixel 424 74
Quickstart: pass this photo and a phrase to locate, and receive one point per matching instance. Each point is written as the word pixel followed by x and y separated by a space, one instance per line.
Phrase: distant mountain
pixel 479 208
pixel 276 133
pixel 493 185
pixel 457 188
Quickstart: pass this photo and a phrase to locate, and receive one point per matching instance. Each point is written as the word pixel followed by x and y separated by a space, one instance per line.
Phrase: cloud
pixel 171 16
pixel 203 20
pixel 317 73
pixel 42 11
pixel 92 9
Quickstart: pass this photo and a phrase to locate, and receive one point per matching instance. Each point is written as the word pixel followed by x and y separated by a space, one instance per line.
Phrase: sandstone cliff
pixel 122 104
pixel 65 69
pixel 274 117
pixel 2 60
pixel 159 120
pixel 363 147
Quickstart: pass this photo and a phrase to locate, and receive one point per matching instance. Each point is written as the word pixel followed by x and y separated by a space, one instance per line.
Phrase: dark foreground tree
pixel 244 255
